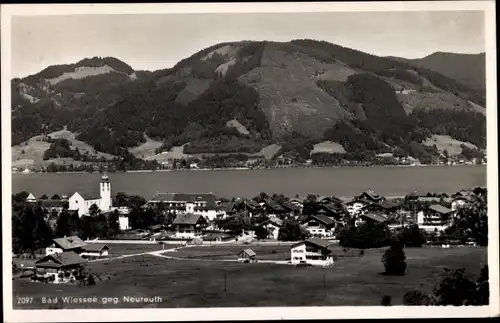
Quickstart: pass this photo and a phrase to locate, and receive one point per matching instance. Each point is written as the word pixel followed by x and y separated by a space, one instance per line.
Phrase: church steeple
pixel 105 188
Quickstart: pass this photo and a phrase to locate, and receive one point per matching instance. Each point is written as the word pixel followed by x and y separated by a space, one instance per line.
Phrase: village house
pixel 320 226
pixel 273 226
pixel 272 207
pixel 312 251
pixel 49 205
pixel 60 245
pixel 61 266
pixel 95 250
pixel 189 225
pixel 460 201
pixel 435 215
pixel 180 203
pixel 298 202
pixel 370 218
pixel 78 246
pixel 247 255
pixel 292 208
pixel 385 208
pixel 247 206
pixel 370 196
pixel 355 206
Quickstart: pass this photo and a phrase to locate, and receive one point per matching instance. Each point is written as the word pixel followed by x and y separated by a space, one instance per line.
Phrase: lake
pixel 345 181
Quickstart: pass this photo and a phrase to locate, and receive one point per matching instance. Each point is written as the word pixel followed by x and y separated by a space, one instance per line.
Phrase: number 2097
pixel 24 300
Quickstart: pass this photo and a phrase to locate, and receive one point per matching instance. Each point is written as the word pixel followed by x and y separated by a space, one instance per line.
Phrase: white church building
pixel 82 202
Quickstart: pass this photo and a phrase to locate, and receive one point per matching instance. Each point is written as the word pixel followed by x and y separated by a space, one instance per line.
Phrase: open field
pixel 130 249
pixel 227 252
pixel 447 143
pixel 180 283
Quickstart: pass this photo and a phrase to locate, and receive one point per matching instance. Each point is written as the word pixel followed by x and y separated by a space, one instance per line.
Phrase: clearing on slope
pixel 330 147
pixel 147 149
pixel 447 143
pixel 31 151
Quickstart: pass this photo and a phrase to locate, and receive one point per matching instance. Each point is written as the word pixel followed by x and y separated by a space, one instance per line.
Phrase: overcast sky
pixel 152 42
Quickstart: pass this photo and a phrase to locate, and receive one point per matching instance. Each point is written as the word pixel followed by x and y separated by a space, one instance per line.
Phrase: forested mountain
pixel 469 69
pixel 295 94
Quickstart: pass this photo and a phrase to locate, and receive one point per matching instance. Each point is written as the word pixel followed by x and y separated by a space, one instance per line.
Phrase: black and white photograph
pixel 249 161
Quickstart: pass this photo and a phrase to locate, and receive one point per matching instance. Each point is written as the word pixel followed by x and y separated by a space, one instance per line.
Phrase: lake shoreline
pixel 250 169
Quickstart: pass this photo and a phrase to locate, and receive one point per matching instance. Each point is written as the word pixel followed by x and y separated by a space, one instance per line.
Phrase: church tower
pixel 105 193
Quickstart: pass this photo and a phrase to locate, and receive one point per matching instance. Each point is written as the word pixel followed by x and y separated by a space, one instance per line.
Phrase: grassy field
pixel 222 252
pixel 195 283
pixel 118 249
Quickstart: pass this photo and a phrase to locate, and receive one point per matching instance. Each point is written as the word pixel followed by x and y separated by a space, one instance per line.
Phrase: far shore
pixel 248 168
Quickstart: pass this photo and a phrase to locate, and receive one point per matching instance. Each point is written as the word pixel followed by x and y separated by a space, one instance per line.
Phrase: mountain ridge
pixel 295 94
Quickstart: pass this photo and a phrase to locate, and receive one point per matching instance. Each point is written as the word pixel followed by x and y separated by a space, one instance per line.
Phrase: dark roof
pixel 274 205
pixel 188 218
pixel 316 242
pixel 249 252
pixel 359 201
pixel 53 203
pixel 375 217
pixel 440 209
pixel 371 195
pixel 163 197
pixel 95 247
pixel 68 243
pixel 290 206
pixel 320 218
pixel 225 206
pixel 331 207
pixel 63 259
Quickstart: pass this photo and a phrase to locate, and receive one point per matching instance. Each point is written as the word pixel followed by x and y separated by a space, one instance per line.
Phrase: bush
pixel 394 260
pixel 416 297
pixel 411 236
pixel 386 300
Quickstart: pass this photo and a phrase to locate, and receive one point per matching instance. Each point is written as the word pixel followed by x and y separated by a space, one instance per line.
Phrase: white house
pixel 189 226
pixel 82 202
pixel 320 226
pixel 459 202
pixel 181 203
pixel 94 250
pixel 354 207
pixel 273 225
pixel 123 222
pixel 60 245
pixel 312 251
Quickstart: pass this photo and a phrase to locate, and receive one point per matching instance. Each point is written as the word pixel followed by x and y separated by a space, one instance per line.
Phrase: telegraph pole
pixel 225 281
pixel 324 283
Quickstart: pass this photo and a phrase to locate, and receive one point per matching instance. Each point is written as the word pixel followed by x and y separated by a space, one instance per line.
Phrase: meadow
pixel 355 280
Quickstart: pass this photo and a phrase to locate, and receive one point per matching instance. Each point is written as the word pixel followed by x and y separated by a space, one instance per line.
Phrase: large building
pixel 82 202
pixel 186 203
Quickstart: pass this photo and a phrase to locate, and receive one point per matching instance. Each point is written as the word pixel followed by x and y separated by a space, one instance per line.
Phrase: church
pixel 82 202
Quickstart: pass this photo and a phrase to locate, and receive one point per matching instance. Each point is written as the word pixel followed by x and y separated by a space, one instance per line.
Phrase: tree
pixel 455 289
pixel 386 300
pixel 74 223
pixel 94 210
pixel 261 232
pixel 366 235
pixel 113 224
pixel 62 224
pixel 394 260
pixel 292 231
pixel 471 222
pixel 411 236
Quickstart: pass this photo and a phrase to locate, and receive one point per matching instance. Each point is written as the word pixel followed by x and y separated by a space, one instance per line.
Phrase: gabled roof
pixel 187 218
pixel 275 221
pixel 163 197
pixel 274 205
pixel 68 243
pixel 249 252
pixel 66 258
pixel 320 218
pixel 290 206
pixel 95 247
pixel 375 217
pixel 316 242
pixel 440 209
pixel 371 195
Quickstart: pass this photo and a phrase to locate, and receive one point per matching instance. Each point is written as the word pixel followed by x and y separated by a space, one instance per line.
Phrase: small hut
pixel 247 255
